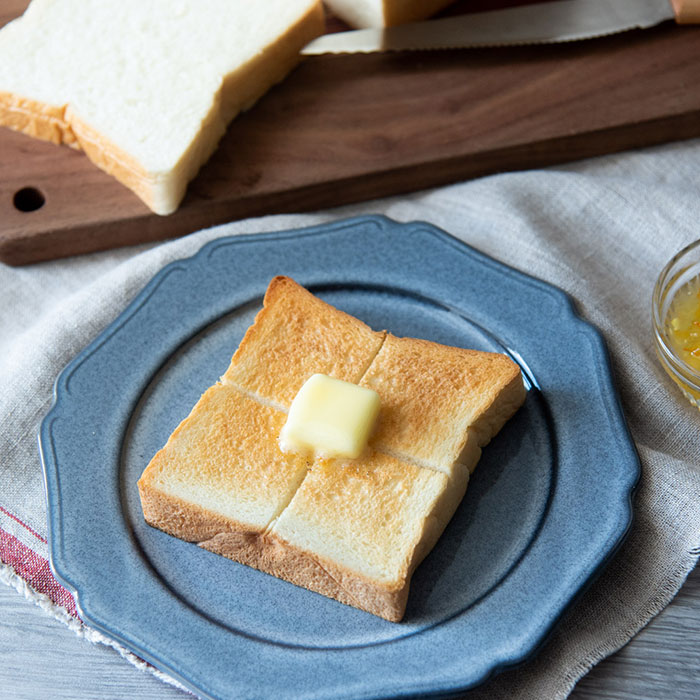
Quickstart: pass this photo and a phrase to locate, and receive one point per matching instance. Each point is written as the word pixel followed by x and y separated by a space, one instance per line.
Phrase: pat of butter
pixel 330 418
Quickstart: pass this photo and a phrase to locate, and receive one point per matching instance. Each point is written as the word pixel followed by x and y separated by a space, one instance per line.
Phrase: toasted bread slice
pixel 351 530
pixel 355 532
pixel 294 336
pixel 221 470
pixel 440 404
pixel 368 526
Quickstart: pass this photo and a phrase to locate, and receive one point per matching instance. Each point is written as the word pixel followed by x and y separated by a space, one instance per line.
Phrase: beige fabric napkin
pixel 601 230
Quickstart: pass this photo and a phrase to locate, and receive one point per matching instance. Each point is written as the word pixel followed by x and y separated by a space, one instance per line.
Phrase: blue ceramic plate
pixel 548 505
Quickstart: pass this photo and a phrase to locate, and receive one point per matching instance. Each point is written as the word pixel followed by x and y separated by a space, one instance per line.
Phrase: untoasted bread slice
pixel 146 89
pixel 294 336
pixel 221 470
pixel 440 404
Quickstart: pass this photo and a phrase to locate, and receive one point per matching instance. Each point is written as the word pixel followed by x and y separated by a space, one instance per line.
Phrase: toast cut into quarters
pixel 353 530
pixel 146 88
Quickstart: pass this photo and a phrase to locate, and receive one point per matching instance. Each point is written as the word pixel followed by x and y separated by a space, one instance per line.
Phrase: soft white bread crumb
pixel 146 88
pixel 384 13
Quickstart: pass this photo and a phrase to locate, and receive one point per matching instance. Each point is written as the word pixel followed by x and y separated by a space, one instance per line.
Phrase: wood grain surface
pixel 342 129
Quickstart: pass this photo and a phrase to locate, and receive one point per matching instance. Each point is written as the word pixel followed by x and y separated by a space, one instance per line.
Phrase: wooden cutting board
pixel 342 129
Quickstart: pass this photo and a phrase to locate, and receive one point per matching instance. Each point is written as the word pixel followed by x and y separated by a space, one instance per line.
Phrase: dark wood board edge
pixel 18 249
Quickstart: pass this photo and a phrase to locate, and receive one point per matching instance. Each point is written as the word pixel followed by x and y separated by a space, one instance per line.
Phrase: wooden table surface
pixel 41 658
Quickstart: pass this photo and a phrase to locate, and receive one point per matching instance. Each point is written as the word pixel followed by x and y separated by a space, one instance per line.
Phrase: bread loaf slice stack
pixel 353 530
pixel 363 14
pixel 146 87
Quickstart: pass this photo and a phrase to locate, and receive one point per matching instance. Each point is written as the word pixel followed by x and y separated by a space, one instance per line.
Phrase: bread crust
pixel 36 119
pixel 184 519
pixel 273 555
pixel 163 192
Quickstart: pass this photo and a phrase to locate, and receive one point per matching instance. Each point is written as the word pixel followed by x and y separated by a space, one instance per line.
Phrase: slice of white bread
pixel 294 336
pixel 351 530
pixel 146 88
pixel 384 13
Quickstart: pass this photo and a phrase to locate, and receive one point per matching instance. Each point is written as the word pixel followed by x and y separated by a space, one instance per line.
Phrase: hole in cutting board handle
pixel 28 199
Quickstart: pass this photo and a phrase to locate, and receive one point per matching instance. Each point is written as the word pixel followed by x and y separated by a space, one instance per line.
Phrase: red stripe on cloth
pixel 24 525
pixel 35 570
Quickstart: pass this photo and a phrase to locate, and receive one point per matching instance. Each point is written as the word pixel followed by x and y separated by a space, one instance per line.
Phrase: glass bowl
pixel 676 320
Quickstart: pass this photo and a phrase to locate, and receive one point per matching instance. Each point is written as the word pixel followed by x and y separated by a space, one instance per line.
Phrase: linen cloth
pixel 600 229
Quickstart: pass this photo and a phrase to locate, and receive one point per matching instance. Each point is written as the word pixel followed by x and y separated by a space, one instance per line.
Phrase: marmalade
pixel 683 323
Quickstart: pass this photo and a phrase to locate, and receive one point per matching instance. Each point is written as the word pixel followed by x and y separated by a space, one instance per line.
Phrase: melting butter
pixel 330 418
